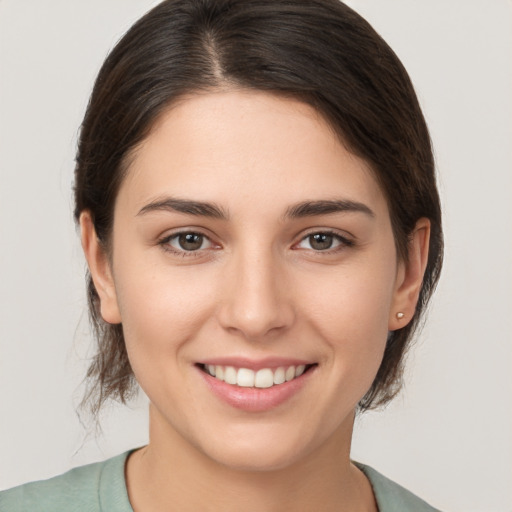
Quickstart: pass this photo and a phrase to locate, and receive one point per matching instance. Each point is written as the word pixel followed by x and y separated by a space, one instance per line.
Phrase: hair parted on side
pixel 318 51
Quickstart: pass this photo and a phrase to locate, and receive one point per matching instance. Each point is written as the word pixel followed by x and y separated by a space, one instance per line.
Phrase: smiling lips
pixel 247 378
pixel 255 387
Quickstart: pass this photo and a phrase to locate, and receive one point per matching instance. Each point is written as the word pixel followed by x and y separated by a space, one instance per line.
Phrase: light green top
pixel 101 487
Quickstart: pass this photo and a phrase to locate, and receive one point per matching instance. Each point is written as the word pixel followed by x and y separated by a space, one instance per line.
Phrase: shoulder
pixel 392 497
pixel 92 488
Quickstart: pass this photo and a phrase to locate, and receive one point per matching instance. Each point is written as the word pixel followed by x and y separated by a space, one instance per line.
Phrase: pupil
pixel 320 241
pixel 190 241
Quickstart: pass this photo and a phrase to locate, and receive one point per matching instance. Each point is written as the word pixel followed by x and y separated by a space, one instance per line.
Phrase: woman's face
pixel 248 242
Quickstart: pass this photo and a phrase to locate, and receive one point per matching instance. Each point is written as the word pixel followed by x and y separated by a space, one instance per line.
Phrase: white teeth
pixel 264 378
pixel 230 375
pixel 279 377
pixel 290 373
pixel 246 378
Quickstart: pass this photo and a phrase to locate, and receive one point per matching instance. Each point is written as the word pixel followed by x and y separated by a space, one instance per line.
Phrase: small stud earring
pixel 400 315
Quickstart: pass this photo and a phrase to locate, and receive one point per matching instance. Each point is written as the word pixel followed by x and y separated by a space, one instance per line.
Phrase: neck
pixel 170 472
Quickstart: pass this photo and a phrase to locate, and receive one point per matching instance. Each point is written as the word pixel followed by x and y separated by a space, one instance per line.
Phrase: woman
pixel 256 194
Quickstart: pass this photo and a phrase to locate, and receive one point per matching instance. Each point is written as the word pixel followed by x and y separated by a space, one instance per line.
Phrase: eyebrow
pixel 324 207
pixel 299 210
pixel 199 208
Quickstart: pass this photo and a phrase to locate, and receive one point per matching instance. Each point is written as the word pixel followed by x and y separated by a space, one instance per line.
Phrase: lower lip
pixel 255 399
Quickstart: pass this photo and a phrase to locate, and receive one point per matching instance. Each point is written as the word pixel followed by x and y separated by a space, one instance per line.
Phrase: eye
pixel 323 241
pixel 188 242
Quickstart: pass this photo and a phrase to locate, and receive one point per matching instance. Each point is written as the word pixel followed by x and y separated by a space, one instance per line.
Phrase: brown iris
pixel 321 241
pixel 190 241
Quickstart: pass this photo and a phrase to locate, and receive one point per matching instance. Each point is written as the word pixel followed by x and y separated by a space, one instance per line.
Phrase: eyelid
pixel 164 242
pixel 177 236
pixel 344 240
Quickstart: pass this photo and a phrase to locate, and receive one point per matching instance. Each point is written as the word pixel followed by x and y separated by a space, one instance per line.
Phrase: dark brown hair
pixel 319 51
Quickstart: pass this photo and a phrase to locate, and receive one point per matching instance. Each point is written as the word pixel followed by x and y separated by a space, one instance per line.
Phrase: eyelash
pixel 343 243
pixel 165 243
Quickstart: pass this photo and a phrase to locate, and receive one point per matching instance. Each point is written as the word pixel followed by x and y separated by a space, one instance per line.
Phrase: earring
pixel 399 315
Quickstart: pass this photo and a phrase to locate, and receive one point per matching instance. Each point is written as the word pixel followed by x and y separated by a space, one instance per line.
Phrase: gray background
pixel 448 437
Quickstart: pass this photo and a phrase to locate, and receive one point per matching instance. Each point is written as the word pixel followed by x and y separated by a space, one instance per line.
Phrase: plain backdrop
pixel 448 437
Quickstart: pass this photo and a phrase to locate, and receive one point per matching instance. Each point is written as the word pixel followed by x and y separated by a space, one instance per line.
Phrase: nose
pixel 256 302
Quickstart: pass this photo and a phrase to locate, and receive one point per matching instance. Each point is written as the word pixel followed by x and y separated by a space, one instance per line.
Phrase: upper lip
pixel 256 364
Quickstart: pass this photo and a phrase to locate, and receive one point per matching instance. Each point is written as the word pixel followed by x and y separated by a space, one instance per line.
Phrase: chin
pixel 254 459
pixel 262 450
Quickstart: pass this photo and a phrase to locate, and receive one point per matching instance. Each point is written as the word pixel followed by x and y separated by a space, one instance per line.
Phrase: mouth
pixel 262 378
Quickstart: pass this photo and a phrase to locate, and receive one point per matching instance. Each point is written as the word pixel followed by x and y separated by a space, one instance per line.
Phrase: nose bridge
pixel 255 301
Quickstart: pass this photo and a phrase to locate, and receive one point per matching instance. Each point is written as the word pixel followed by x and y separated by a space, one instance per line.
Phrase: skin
pixel 257 288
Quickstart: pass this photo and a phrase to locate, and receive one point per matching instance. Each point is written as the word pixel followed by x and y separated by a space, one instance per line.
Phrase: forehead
pixel 244 147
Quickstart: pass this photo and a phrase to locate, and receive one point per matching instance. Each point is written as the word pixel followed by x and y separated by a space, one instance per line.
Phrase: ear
pixel 410 277
pixel 100 270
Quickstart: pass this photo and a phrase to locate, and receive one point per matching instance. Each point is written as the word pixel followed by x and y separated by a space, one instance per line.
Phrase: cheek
pixel 350 314
pixel 355 299
pixel 161 310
